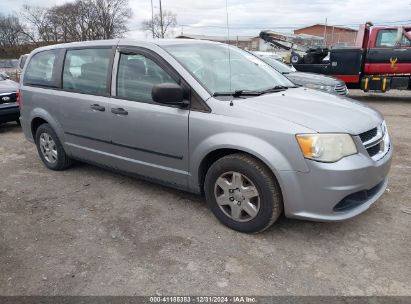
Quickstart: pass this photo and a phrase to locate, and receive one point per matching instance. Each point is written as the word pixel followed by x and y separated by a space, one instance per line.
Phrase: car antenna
pixel 228 48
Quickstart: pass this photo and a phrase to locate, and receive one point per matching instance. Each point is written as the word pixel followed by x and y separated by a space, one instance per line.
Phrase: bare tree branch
pixel 154 26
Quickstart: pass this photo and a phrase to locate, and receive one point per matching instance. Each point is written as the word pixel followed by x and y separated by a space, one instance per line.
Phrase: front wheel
pixel 243 193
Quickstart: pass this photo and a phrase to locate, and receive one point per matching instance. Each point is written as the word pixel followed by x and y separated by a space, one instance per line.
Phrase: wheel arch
pixel 40 116
pixel 219 153
pixel 35 124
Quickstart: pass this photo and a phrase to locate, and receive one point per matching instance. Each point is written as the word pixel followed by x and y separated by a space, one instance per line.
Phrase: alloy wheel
pixel 237 196
pixel 48 148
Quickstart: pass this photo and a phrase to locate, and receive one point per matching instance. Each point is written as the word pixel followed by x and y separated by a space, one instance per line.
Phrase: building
pixel 333 35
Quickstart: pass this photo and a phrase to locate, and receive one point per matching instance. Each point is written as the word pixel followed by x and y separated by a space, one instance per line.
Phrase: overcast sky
pixel 248 17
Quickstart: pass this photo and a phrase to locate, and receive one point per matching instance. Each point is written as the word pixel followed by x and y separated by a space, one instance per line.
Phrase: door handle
pixel 119 111
pixel 97 107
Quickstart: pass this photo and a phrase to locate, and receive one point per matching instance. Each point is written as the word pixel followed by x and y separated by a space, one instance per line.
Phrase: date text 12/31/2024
pixel 201 299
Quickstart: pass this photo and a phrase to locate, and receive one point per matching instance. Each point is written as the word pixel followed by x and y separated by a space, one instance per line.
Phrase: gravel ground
pixel 87 231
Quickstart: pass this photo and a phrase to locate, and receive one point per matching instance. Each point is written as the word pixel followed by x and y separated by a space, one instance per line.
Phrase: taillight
pixel 18 99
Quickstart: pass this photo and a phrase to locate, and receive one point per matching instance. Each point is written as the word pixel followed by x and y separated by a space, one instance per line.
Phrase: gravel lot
pixel 87 231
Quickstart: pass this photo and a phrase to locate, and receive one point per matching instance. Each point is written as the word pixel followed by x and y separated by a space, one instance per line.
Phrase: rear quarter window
pixel 40 69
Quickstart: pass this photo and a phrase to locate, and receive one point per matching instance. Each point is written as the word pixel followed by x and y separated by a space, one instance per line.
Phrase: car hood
pixel 301 78
pixel 315 110
pixel 7 86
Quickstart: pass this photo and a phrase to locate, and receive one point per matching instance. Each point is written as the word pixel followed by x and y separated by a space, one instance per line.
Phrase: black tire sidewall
pixel 61 154
pixel 265 212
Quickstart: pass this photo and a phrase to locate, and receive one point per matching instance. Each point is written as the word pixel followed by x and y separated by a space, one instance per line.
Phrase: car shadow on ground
pixel 10 127
pixel 303 228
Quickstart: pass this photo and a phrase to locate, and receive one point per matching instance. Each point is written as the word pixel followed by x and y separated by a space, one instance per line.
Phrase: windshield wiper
pixel 238 93
pixel 277 88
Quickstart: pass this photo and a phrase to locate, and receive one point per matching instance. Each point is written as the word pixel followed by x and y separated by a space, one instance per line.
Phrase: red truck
pixel 380 60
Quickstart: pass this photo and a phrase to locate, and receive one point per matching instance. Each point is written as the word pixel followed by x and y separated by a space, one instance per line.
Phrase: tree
pixel 78 21
pixel 157 29
pixel 112 16
pixel 37 23
pixel 11 31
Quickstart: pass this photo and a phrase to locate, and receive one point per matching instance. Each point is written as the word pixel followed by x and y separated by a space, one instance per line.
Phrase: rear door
pixel 150 139
pixel 83 103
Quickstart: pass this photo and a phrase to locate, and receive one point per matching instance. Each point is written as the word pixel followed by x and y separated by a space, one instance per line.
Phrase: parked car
pixel 21 63
pixel 206 118
pixel 271 55
pixel 9 110
pixel 9 67
pixel 310 80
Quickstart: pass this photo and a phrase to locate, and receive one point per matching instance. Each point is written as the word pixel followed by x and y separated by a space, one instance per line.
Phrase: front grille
pixel 8 98
pixel 370 134
pixel 341 89
pixel 374 150
pixel 374 142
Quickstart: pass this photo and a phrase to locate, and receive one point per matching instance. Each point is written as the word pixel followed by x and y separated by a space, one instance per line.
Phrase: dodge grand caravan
pixel 206 118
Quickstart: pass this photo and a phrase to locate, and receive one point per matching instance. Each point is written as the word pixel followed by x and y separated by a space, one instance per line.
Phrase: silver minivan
pixel 207 118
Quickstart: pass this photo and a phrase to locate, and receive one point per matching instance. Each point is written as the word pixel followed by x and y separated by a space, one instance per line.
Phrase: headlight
pixel 327 148
pixel 320 87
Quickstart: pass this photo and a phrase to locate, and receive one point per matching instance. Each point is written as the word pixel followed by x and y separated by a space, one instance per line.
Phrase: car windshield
pixel 220 68
pixel 277 65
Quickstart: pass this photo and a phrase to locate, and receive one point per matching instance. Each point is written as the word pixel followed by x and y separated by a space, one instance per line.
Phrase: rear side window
pixel 86 70
pixel 40 69
pixel 136 77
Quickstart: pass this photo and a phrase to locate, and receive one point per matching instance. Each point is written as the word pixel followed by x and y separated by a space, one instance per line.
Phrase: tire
pixel 310 58
pixel 295 58
pixel 266 207
pixel 55 158
pixel 18 122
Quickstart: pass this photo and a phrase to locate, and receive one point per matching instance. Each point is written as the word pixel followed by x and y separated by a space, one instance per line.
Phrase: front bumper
pixel 320 193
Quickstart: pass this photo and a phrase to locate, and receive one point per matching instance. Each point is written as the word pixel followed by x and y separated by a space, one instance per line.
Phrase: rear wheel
pixel 50 149
pixel 242 193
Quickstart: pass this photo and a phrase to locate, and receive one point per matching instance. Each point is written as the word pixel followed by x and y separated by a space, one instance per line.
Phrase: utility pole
pixel 161 21
pixel 152 18
pixel 325 33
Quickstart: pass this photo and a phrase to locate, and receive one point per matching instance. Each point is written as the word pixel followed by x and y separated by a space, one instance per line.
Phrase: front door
pixel 150 139
pixel 391 53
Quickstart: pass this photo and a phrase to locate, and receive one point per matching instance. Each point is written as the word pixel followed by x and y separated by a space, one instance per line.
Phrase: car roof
pixel 131 42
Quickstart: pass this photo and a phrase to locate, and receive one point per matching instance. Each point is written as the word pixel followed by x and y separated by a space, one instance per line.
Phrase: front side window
pixel 220 68
pixel 137 75
pixel 40 69
pixel 86 70
pixel 388 38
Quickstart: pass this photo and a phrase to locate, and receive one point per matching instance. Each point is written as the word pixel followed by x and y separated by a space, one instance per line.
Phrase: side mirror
pixel 168 93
